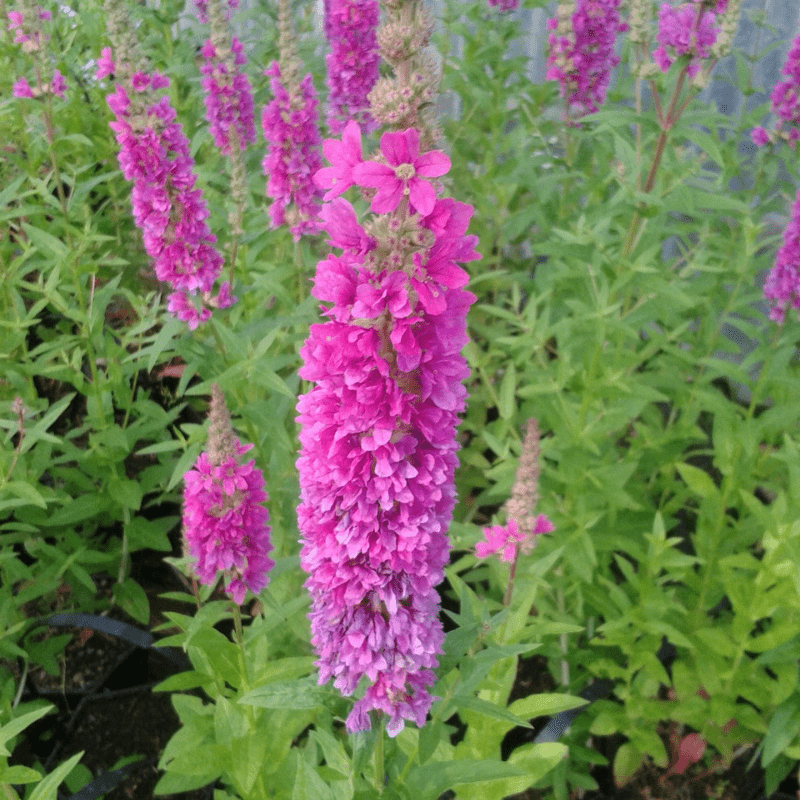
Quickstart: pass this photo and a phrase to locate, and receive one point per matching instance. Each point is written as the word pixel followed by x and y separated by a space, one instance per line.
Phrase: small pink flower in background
pixel 404 175
pixel 105 64
pixel 505 5
pixel 581 55
pixel 229 98
pixel 350 27
pixel 58 85
pixel 680 33
pixel 505 539
pixel 785 97
pixel 343 157
pixel 224 521
pixel 293 156
pixel 22 88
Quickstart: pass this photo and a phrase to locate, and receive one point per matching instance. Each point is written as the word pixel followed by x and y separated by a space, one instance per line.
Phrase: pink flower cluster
pixel 686 30
pixel 506 539
pixel 785 98
pixel 30 36
pixel 582 60
pixel 783 282
pixel 58 86
pixel 171 213
pixel 505 5
pixel 293 155
pixel 350 27
pixel 378 447
pixel 225 522
pixel 229 98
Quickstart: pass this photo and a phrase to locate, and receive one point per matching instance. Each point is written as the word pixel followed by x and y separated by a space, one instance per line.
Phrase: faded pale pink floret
pixel 404 174
pixel 505 539
pixel 350 28
pixel 582 59
pixel 782 287
pixel 225 523
pixel 293 156
pixel 685 30
pixel 378 452
pixel 171 213
pixel 229 98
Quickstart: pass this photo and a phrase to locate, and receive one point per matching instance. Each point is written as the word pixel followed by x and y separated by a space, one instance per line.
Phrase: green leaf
pixel 45 242
pixel 487 709
pixel 150 533
pixel 84 507
pixel 545 705
pixel 783 729
pixel 47 789
pixel 184 680
pixel 697 480
pixel 290 694
pixel 126 492
pixel 627 760
pixel 505 396
pixel 11 729
pixel 19 774
pixel 430 780
pixel 25 492
pixel 133 600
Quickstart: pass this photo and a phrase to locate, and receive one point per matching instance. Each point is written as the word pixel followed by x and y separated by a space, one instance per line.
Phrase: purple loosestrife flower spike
pixel 378 447
pixel 31 36
pixel 581 53
pixel 291 129
pixel 224 521
pixel 171 213
pixel 688 29
pixel 782 287
pixel 229 98
pixel 785 99
pixel 350 28
pixel 154 154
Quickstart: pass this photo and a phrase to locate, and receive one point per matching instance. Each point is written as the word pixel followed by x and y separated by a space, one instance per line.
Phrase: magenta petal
pixel 400 147
pixel 422 196
pixel 372 174
pixel 432 165
pixel 387 199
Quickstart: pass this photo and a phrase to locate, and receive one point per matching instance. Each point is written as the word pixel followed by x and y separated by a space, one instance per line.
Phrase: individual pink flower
pixel 22 88
pixel 224 521
pixel 505 539
pixel 581 55
pixel 291 130
pixel 350 28
pixel 404 175
pixel 58 85
pixel 344 156
pixel 105 64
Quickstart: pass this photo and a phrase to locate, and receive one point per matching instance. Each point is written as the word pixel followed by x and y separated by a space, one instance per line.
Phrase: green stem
pixel 379 774
pixel 238 635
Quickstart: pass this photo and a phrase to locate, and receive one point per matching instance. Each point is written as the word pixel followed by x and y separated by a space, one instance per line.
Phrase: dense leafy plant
pixel 617 303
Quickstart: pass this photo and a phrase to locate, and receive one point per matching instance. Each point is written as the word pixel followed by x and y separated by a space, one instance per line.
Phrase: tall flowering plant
pixel 378 447
pixel 154 154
